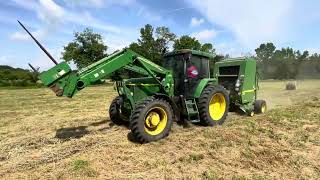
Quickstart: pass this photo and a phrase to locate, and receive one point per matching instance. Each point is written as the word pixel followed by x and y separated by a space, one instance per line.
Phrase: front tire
pixel 213 105
pixel 115 111
pixel 151 120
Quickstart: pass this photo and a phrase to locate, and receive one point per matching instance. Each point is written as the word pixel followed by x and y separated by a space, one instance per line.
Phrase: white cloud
pixel 232 48
pixel 142 11
pixel 47 11
pixel 9 60
pixel 89 21
pixel 251 21
pixel 145 14
pixel 196 22
pixel 115 42
pixel 54 15
pixel 205 35
pixel 99 3
pixel 4 60
pixel 22 36
pixel 50 11
pixel 29 5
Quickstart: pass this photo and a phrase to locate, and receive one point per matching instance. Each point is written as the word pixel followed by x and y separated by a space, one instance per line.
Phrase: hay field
pixel 46 137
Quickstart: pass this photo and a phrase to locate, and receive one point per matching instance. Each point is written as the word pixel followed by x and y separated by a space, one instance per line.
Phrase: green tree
pixel 207 47
pixel 152 44
pixel 186 42
pixel 314 64
pixel 10 76
pixel 265 51
pixel 287 63
pixel 85 49
pixel 164 37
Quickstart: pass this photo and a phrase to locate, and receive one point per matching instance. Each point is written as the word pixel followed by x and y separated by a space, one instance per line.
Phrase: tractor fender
pixel 174 106
pixel 202 84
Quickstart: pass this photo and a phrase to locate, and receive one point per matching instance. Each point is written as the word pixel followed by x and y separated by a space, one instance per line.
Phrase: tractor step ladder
pixel 192 110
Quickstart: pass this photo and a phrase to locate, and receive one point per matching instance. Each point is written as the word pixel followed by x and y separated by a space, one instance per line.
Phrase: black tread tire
pixel 114 111
pixel 137 119
pixel 203 105
pixel 258 106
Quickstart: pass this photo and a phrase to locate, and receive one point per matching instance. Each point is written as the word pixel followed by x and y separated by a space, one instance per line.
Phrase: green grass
pixel 82 167
pixel 193 157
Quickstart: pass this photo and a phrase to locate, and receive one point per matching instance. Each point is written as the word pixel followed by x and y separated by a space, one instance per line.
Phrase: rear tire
pixel 115 111
pixel 213 105
pixel 260 106
pixel 151 120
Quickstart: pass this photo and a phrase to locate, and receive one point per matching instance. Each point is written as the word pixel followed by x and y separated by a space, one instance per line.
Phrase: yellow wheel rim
pixel 217 106
pixel 263 108
pixel 155 121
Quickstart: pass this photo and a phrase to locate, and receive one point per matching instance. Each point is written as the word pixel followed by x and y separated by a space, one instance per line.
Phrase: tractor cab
pixel 188 68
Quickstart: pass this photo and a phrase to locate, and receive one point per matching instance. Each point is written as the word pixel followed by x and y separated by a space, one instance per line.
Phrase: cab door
pixel 197 68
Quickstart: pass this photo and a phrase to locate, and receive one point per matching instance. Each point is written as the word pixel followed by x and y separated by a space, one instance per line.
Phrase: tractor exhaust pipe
pixel 43 49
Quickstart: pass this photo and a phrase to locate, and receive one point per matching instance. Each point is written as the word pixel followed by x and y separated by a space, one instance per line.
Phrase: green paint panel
pixel 249 88
pixel 57 72
pixel 141 88
pixel 203 83
pixel 231 70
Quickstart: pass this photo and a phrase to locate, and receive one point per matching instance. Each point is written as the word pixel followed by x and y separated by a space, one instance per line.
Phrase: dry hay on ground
pixel 42 136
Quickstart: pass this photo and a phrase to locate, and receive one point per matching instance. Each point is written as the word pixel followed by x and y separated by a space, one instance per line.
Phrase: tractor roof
pixel 183 51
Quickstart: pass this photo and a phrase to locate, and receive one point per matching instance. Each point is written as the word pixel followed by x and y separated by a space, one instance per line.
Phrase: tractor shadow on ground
pixel 71 133
pixel 80 131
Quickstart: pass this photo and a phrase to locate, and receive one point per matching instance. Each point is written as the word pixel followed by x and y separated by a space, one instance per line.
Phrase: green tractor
pixel 183 89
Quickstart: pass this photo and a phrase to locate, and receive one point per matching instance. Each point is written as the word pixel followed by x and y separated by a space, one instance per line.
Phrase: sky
pixel 234 27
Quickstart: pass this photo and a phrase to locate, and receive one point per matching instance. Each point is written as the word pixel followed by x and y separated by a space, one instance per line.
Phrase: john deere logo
pixel 194 72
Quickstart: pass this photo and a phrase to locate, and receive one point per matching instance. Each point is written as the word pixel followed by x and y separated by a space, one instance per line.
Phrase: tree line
pixel 273 63
pixel 10 76
pixel 286 63
pixel 88 47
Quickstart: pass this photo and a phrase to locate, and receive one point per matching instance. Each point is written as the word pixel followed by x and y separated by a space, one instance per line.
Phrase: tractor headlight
pixel 238 84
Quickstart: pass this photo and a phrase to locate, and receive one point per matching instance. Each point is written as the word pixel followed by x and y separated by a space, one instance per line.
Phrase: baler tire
pixel 204 101
pixel 138 120
pixel 260 106
pixel 114 112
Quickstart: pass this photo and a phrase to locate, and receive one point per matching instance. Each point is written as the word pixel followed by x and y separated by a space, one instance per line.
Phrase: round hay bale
pixel 291 85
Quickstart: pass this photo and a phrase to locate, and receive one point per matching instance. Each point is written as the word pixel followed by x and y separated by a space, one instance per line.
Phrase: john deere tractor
pixel 183 89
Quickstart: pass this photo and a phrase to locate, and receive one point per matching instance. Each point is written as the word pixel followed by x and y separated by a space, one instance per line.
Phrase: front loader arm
pixel 106 66
pixel 65 82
